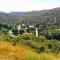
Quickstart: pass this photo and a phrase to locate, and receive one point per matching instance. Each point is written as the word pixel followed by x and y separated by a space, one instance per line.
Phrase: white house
pixel 31 26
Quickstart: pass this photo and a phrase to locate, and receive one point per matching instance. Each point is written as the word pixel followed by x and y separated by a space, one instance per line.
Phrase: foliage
pixel 40 44
pixel 33 17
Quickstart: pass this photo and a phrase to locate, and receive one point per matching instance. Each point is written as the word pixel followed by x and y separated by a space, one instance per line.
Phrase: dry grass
pixel 9 52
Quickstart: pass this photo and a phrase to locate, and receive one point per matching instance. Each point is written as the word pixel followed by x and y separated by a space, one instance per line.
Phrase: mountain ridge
pixel 33 17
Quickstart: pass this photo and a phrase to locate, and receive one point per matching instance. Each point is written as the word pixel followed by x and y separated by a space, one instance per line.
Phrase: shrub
pixel 27 36
pixel 40 43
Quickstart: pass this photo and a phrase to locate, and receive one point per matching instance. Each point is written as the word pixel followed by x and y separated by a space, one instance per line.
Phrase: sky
pixel 27 5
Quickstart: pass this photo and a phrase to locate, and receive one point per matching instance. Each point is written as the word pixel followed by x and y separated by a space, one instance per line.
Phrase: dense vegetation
pixel 33 17
pixel 49 36
pixel 48 24
pixel 40 44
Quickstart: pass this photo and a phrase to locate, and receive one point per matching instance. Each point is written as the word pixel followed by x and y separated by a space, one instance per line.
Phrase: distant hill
pixel 33 17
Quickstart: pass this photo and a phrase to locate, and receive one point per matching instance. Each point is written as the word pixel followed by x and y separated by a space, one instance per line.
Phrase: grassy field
pixel 18 52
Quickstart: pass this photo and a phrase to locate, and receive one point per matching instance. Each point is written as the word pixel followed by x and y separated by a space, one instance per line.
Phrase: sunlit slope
pixel 9 52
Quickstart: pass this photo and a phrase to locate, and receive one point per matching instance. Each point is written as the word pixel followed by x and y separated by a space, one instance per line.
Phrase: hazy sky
pixel 27 5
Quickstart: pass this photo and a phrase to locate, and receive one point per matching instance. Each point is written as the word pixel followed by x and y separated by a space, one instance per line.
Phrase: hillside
pixel 27 46
pixel 9 52
pixel 33 17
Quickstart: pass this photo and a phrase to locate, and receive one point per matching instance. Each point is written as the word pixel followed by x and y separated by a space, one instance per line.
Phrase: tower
pixel 36 32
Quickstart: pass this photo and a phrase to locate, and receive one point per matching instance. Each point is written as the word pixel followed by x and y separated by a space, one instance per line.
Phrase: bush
pixel 40 43
pixel 27 36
